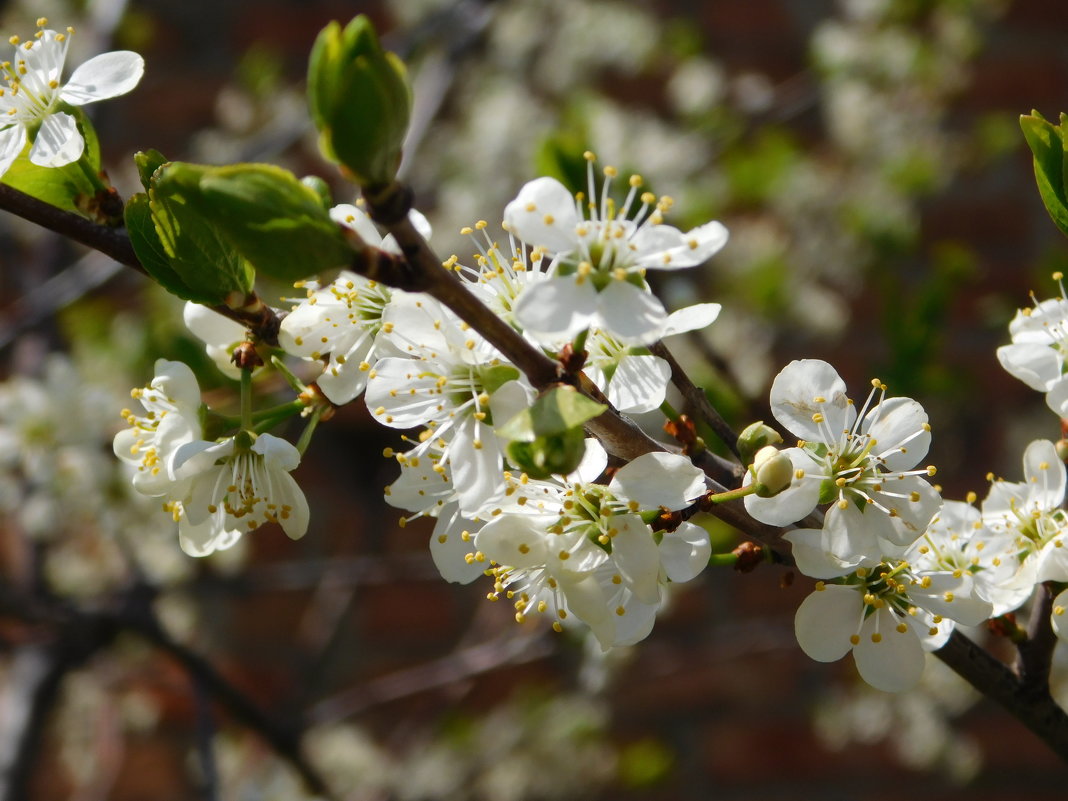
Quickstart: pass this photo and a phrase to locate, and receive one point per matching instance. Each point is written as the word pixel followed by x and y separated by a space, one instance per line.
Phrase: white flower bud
pixel 772 470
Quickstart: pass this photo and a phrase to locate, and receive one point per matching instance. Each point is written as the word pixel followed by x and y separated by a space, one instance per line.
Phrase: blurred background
pixel 867 159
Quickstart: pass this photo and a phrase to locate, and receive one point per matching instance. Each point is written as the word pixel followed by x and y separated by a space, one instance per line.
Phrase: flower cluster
pixel 215 490
pixel 874 598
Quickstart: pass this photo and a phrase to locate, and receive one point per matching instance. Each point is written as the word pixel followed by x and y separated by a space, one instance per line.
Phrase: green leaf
pixel 68 187
pixel 264 213
pixel 154 257
pixel 148 161
pixel 1047 144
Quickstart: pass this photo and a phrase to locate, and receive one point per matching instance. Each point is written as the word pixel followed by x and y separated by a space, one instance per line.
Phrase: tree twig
pixel 1035 709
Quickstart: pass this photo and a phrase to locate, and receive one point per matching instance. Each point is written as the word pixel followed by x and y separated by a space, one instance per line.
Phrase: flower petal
pixel 557 309
pixel 826 620
pixel 544 214
pixel 806 388
pixel 632 314
pixel 685 552
pixel 12 141
pixel 107 75
pixel 887 658
pixel 58 142
pixel 659 479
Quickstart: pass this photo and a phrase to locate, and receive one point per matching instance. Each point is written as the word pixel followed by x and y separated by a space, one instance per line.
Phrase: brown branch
pixel 81 633
pixel 1035 709
pixel 1034 654
pixel 697 398
pixel 258 317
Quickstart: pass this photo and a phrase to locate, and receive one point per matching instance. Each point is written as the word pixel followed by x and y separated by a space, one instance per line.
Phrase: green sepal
pixel 493 378
pixel 263 212
pixel 559 410
pixel 1047 143
pixel 66 187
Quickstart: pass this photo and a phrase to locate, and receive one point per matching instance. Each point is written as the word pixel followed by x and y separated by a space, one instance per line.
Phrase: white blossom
pixel 29 106
pixel 237 485
pixel 887 616
pixel 859 463
pixel 600 255
pixel 340 323
pixel 1038 354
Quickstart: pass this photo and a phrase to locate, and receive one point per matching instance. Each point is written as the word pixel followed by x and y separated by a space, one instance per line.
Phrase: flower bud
pixel 559 453
pixel 754 437
pixel 360 101
pixel 772 471
pixel 1061 447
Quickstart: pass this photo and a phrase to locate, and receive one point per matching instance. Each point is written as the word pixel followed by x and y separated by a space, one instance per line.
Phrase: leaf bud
pixel 360 101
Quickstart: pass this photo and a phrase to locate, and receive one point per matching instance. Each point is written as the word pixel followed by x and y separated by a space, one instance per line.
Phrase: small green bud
pixel 1061 447
pixel 772 471
pixel 360 101
pixel 554 453
pixel 754 437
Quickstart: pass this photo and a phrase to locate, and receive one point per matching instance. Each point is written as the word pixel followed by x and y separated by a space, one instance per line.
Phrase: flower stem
pixel 669 411
pixel 297 385
pixel 246 400
pixel 723 560
pixel 306 434
pixel 730 495
pixel 269 418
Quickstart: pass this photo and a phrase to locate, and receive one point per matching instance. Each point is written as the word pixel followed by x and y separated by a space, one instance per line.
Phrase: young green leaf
pixel 1048 146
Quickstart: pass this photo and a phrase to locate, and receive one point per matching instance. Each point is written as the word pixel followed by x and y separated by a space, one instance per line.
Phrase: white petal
pixel 449 546
pixel 1036 364
pixel 638 385
pixel 630 313
pixel 793 400
pixel 691 318
pixel 356 219
pixel 177 381
pixel 107 75
pixel 211 327
pixel 895 662
pixel 898 425
pixel 690 249
pixel 659 479
pixel 277 453
pixel 12 141
pixel 826 620
pixel 813 558
pixel 1044 473
pixel 636 556
pixel 206 537
pixel 58 142
pixel 1060 622
pixel 1057 397
pixel 557 309
pixel 514 541
pixel 475 459
pixel 685 552
pixel 543 213
pixel 1052 562
pixel 287 493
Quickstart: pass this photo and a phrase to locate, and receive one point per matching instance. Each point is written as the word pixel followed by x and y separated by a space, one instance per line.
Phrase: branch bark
pixel 1031 705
